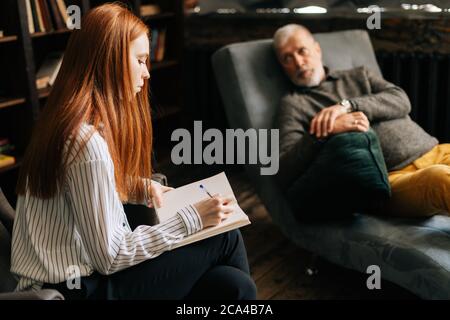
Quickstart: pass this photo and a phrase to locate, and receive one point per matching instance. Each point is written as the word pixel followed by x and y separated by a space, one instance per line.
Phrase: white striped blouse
pixel 84 226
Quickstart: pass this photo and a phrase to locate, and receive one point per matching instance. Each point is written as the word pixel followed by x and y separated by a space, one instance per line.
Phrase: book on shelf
pixel 63 10
pixel 5 145
pixel 149 10
pixel 40 16
pixel 6 148
pixel 161 46
pixel 158 44
pixel 192 193
pixel 6 160
pixel 33 25
pixel 46 15
pixel 58 19
pixel 49 69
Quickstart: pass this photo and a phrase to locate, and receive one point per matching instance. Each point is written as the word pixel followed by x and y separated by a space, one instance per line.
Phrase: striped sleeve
pixel 101 222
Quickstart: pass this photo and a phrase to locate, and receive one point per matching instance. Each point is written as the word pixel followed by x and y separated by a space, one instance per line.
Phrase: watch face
pixel 347 105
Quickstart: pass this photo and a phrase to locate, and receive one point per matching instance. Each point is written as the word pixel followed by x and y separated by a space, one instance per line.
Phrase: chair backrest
pixel 7 282
pixel 252 82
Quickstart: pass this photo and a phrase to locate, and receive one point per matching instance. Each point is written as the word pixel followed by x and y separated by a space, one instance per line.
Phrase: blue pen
pixel 202 187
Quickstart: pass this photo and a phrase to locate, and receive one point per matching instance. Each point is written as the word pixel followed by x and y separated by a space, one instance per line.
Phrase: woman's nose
pixel 145 74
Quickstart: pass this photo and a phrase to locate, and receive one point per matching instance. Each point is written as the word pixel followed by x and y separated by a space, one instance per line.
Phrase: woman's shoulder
pixel 88 145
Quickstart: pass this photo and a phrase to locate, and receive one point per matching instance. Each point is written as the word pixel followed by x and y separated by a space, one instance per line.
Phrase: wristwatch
pixel 347 105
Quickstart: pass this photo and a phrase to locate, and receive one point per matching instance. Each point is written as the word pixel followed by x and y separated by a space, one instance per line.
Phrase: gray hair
pixel 282 34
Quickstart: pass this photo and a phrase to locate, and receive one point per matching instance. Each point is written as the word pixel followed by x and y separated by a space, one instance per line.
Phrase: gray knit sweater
pixel 385 105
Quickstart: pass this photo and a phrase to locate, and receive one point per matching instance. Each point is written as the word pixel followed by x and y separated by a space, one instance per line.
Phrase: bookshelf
pixel 22 53
pixel 9 102
pixel 8 39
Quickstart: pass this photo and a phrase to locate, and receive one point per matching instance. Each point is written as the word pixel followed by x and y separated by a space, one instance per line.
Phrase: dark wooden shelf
pixel 9 102
pixel 159 16
pixel 16 165
pixel 8 39
pixel 163 64
pixel 162 112
pixel 49 33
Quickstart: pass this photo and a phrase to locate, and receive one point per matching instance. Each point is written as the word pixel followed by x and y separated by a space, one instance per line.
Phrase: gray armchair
pixel 412 253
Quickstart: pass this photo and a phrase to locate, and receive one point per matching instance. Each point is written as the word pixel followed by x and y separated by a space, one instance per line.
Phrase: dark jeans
pixel 214 268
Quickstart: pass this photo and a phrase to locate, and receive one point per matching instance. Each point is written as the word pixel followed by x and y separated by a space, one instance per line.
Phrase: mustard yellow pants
pixel 422 188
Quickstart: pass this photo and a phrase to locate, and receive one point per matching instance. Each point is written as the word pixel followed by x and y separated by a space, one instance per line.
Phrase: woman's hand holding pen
pixel 213 210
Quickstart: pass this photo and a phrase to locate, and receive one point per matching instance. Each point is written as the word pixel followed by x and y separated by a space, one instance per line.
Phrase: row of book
pixel 5 148
pixel 46 15
pixel 157 44
pixel 49 68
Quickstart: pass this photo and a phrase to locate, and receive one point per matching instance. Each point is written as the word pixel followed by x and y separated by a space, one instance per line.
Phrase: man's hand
pixel 156 191
pixel 323 123
pixel 355 121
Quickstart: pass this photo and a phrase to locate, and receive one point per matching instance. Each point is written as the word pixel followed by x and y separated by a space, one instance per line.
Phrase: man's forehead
pixel 299 39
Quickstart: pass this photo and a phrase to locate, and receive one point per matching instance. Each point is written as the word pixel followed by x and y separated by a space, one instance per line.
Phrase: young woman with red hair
pixel 90 152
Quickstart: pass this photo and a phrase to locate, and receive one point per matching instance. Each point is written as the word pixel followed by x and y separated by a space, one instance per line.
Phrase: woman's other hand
pixel 156 192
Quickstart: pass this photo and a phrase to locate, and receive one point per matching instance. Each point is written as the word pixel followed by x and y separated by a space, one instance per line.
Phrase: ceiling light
pixel 310 9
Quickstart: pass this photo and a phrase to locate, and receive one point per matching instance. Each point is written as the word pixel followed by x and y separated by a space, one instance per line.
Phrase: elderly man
pixel 324 102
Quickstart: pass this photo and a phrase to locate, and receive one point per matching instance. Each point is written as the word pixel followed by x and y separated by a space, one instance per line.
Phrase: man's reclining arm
pixel 386 102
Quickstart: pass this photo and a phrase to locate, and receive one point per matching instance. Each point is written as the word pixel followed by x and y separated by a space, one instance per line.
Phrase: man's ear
pixel 318 48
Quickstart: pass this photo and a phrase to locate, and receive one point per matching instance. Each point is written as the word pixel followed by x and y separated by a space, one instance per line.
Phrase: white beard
pixel 313 81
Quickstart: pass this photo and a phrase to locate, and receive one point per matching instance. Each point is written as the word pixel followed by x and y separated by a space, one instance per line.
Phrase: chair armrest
pixel 142 215
pixel 44 294
pixel 6 212
pixel 161 178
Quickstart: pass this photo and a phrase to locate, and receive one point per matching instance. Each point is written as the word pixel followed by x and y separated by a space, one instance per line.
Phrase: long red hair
pixel 94 86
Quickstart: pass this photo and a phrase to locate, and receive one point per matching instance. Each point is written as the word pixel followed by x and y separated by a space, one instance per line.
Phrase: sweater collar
pixel 330 75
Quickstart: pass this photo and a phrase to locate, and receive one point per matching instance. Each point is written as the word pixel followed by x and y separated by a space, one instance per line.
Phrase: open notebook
pixel 192 193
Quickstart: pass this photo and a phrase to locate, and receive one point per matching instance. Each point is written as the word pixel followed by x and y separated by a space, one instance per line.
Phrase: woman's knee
pixel 231 242
pixel 237 284
pixel 235 236
pixel 225 283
